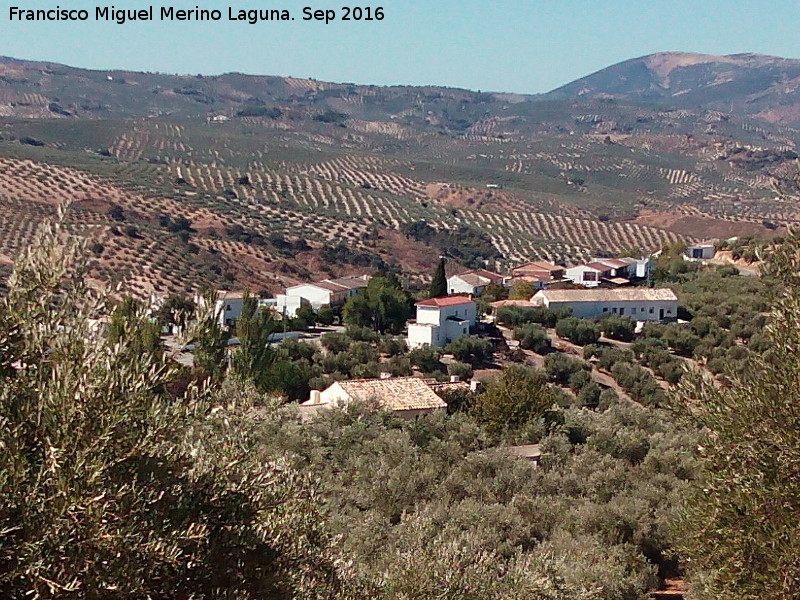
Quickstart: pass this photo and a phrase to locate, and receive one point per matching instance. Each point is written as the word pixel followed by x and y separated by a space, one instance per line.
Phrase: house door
pixel 660 314
pixel 621 311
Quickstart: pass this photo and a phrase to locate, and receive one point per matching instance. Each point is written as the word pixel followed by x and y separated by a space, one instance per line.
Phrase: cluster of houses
pixel 593 289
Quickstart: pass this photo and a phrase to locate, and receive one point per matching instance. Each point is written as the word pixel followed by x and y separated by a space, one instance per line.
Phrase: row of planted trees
pixel 112 485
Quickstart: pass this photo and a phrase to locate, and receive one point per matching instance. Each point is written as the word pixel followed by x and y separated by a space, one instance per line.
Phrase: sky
pixel 525 46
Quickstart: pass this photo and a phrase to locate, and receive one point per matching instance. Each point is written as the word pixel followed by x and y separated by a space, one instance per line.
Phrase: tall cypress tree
pixel 439 283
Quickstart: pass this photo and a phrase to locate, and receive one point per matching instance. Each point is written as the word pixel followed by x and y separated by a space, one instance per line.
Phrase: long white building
pixel 638 303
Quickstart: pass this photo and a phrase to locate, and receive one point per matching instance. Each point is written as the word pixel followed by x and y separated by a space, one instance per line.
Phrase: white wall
pixel 433 327
pixel 637 310
pixel 316 296
pixel 228 310
pixel 288 304
pixel 456 285
pixel 467 311
pixel 576 274
pixel 422 335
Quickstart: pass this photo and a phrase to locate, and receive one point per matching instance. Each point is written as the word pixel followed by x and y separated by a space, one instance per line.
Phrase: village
pixel 471 310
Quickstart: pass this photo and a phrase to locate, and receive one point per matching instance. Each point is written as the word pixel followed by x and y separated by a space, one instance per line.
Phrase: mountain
pixel 180 182
pixel 756 85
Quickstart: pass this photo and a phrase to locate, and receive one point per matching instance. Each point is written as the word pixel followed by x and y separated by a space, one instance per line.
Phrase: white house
pixel 407 396
pixel 641 304
pixel 441 320
pixel 227 305
pixel 589 274
pixel 473 282
pixel 332 292
pixel 699 251
pixel 639 268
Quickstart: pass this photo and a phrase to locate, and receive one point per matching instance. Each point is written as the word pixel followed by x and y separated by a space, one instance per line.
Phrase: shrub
pixel 532 337
pixel 335 341
pixel 392 346
pixel 559 367
pixel 471 349
pixel 426 359
pixel 618 327
pixel 462 370
pixel 578 331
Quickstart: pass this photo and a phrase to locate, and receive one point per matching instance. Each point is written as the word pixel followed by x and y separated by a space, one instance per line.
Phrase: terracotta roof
pixel 597 266
pixel 226 295
pixel 617 280
pixel 395 393
pixel 350 282
pixel 491 275
pixel 613 262
pixel 529 451
pixel 327 285
pixel 523 303
pixel 446 301
pixel 474 279
pixel 538 265
pixel 634 294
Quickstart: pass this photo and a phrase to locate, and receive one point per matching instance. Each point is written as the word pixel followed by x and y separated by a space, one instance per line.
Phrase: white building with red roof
pixel 442 320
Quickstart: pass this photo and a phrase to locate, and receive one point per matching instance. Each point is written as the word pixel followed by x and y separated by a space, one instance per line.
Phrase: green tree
pixel 325 315
pixel 517 397
pixel 176 310
pixel 522 290
pixel 439 284
pixel 141 335
pixel 618 327
pixel 578 331
pixel 306 315
pixel 381 306
pixel 740 529
pixel 253 358
pixel 109 490
pixel 471 349
pixel 211 341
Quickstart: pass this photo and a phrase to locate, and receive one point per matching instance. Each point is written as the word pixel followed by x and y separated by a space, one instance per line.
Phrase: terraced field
pixel 264 198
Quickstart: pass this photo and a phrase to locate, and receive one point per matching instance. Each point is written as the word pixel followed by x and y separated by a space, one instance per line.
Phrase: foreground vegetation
pixel 120 480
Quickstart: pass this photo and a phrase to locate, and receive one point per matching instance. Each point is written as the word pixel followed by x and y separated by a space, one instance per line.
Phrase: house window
pixel 633 311
pixel 614 310
pixel 642 309
pixel 228 307
pixel 605 310
pixel 589 276
pixel 464 330
pixel 651 310
pixel 669 311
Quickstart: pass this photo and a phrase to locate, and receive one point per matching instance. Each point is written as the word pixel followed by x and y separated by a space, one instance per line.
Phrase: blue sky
pixel 506 45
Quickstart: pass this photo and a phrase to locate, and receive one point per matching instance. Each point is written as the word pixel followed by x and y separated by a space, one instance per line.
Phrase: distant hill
pixel 747 84
pixel 180 182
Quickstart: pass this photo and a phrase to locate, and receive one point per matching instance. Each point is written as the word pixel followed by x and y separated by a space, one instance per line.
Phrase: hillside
pixel 185 181
pixel 745 84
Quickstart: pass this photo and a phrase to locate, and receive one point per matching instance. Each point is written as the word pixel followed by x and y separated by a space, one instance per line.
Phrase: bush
pixel 392 346
pixel 559 367
pixel 335 341
pixel 589 395
pixel 512 316
pixel 462 370
pixel 426 359
pixel 618 327
pixel 578 331
pixel 471 349
pixel 532 337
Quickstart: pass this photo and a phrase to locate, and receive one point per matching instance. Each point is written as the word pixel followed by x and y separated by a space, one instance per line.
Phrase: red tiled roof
pixel 539 265
pixel 446 301
pixel 597 266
